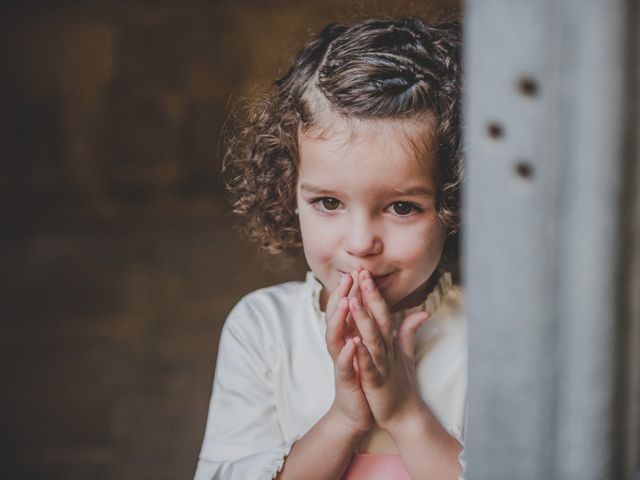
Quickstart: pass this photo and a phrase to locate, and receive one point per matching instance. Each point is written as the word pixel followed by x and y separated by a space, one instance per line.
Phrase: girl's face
pixel 366 200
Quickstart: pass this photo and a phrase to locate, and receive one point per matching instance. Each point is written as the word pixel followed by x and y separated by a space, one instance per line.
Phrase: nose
pixel 361 238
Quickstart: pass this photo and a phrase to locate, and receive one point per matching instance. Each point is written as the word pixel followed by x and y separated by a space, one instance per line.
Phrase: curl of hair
pixel 377 69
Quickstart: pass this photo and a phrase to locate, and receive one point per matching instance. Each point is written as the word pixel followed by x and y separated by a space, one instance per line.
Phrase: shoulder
pixel 273 304
pixel 453 303
pixel 448 321
pixel 447 301
pixel 441 353
pixel 281 297
pixel 451 316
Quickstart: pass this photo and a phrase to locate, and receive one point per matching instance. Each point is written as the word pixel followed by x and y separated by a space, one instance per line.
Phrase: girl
pixel 355 159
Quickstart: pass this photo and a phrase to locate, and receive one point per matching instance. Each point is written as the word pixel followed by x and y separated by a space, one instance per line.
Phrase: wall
pixel 119 258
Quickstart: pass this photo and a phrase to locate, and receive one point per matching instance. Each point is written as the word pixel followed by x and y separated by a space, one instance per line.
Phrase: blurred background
pixel 119 258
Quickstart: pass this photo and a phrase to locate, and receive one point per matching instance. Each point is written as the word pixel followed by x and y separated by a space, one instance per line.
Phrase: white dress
pixel 274 376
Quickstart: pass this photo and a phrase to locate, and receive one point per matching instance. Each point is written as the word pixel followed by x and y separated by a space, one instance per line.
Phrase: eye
pixel 327 203
pixel 403 209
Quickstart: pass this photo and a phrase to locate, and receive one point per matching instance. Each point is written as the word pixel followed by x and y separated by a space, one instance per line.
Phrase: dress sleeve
pixel 243 438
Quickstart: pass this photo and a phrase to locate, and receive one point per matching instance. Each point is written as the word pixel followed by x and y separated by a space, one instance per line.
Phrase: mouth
pixel 379 280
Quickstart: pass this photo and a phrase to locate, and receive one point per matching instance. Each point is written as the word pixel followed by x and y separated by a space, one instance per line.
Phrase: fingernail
pixel 367 274
pixel 355 303
pixel 368 285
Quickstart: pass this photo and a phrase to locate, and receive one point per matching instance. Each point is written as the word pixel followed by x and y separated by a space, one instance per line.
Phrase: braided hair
pixel 378 69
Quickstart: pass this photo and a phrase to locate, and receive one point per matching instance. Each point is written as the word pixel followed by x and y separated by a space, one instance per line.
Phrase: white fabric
pixel 274 376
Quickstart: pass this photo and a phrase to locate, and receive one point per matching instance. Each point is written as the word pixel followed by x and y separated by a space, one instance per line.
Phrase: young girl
pixel 355 159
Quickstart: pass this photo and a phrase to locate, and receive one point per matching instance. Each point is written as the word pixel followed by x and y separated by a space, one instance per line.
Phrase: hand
pixel 386 364
pixel 350 404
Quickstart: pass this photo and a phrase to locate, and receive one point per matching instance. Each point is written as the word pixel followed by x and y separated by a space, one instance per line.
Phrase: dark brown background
pixel 119 261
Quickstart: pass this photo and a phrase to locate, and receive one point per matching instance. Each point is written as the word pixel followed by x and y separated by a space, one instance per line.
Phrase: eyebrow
pixel 412 191
pixel 317 190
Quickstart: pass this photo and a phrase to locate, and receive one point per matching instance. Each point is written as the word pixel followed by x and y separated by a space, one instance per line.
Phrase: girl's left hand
pixel 386 363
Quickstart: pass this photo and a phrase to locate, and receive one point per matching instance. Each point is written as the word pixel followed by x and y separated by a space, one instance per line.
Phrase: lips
pixel 381 280
pixel 373 275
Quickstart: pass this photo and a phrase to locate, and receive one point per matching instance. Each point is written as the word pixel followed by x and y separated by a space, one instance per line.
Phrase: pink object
pixel 376 466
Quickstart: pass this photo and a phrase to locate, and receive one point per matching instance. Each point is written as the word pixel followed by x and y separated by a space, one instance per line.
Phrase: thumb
pixel 407 332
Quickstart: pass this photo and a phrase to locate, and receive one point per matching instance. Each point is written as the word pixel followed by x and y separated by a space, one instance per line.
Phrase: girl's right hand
pixel 350 405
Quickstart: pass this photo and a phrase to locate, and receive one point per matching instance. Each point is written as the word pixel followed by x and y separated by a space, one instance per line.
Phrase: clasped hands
pixel 374 368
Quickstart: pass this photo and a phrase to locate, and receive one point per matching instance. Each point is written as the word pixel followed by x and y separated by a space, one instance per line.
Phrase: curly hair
pixel 377 69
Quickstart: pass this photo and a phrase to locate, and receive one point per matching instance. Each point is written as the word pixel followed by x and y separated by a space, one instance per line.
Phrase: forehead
pixel 399 150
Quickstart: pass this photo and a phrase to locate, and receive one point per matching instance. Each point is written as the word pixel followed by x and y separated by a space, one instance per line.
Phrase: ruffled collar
pixel 430 304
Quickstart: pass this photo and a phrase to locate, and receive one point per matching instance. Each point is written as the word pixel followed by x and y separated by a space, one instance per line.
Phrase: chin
pixel 392 298
pixel 409 300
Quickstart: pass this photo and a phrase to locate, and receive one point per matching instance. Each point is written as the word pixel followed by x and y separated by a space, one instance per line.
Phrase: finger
pixel 354 292
pixel 351 329
pixel 376 305
pixel 355 287
pixel 407 332
pixel 336 325
pixel 341 290
pixel 366 367
pixel 345 371
pixel 370 332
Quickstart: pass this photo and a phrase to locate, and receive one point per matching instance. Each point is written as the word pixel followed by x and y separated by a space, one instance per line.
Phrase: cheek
pixel 316 251
pixel 317 241
pixel 422 246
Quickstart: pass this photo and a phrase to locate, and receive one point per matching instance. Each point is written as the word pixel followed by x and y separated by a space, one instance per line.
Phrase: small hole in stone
pixel 528 86
pixel 495 131
pixel 524 170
